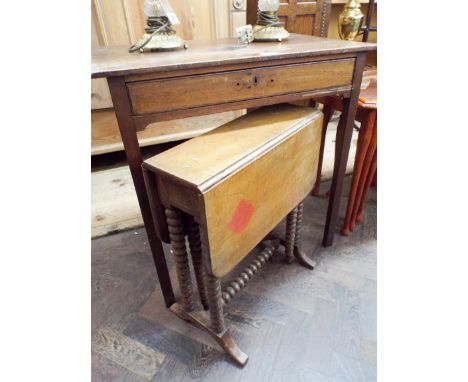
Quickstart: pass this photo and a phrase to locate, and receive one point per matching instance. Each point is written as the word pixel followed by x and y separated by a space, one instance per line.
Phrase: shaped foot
pixel 224 339
pixel 303 259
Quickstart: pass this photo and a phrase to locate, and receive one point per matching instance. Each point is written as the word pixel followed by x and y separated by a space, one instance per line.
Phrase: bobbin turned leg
pixel 300 255
pixel 185 310
pixel 217 321
pixel 197 260
pixel 177 237
pixel 291 220
pixel 215 304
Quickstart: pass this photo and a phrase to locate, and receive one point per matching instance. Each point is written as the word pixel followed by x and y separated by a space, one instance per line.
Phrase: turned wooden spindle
pixel 291 220
pixel 299 220
pixel 179 250
pixel 215 304
pixel 197 259
pixel 241 281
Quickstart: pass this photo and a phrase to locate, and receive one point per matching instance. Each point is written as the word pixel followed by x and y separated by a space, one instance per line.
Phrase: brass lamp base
pixel 269 33
pixel 269 27
pixel 159 36
pixel 161 42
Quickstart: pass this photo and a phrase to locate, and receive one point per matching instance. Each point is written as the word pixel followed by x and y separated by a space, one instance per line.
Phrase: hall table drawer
pixel 209 89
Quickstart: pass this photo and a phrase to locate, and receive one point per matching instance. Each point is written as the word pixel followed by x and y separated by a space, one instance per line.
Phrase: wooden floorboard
pixel 105 136
pixel 114 205
pixel 295 324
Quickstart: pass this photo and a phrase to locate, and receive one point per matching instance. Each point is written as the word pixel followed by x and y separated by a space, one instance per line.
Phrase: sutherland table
pixel 220 75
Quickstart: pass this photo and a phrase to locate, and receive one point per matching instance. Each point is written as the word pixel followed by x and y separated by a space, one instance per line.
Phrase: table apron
pixel 173 94
pixel 141 121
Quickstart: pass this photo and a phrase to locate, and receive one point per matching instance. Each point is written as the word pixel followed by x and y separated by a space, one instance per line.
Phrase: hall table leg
pixel 343 143
pixel 128 133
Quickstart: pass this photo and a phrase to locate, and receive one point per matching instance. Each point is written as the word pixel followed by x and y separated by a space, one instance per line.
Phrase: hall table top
pixel 117 61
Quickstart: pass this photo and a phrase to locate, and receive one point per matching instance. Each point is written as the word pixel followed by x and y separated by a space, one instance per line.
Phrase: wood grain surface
pixel 195 162
pixel 248 205
pixel 116 61
pixel 105 136
pixel 172 94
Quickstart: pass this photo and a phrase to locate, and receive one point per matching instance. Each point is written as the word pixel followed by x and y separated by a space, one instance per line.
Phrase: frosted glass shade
pixel 268 5
pixel 153 8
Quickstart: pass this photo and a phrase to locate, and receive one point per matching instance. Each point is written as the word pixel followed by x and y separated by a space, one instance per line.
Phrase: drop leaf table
pixel 225 191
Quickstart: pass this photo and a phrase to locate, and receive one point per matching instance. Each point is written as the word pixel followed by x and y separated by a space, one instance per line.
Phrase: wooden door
pixel 303 17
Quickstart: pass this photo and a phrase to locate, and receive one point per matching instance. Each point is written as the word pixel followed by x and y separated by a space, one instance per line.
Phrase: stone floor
pixel 295 324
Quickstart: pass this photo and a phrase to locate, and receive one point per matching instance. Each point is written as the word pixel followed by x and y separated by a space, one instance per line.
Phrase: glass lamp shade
pixel 153 8
pixel 268 5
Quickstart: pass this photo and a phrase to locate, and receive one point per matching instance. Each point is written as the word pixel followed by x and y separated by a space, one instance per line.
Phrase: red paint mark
pixel 241 216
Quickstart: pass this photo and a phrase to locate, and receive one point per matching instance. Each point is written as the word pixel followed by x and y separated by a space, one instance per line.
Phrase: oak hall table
pixel 220 75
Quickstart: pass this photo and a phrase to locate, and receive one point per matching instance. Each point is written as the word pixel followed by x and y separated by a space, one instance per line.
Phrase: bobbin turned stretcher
pixel 225 191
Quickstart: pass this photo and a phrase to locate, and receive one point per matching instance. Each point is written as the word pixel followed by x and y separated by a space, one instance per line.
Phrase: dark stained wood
pixel 299 252
pixel 343 143
pixel 132 150
pixel 241 281
pixel 179 251
pixel 116 61
pixel 327 114
pixel 194 241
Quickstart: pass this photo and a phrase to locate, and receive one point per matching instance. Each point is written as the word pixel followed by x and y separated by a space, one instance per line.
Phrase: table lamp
pixel 159 35
pixel 269 27
pixel 350 20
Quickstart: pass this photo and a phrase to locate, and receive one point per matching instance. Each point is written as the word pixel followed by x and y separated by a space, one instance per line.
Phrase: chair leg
pixel 197 259
pixel 327 114
pixel 364 174
pixel 364 138
pixel 369 180
pixel 291 221
pixel 179 250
